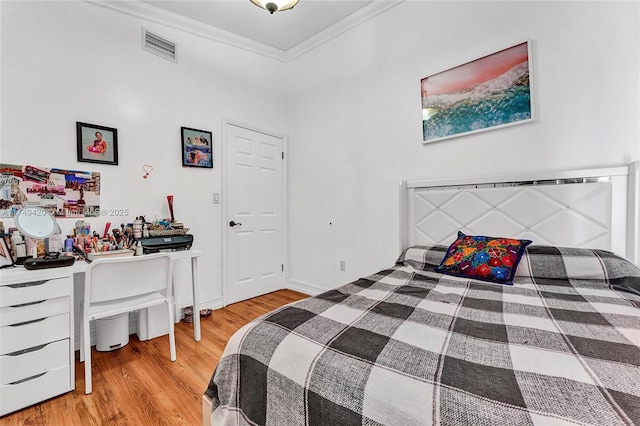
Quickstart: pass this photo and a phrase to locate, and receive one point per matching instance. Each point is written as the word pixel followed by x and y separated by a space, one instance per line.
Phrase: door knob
pixel 232 224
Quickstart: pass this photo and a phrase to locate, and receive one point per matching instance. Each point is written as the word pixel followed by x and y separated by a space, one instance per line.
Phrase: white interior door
pixel 255 214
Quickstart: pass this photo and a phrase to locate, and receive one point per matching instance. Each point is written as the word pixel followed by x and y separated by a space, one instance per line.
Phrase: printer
pixel 166 243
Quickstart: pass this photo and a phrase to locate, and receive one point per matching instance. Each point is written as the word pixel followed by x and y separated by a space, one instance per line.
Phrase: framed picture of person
pixel 197 148
pixel 97 144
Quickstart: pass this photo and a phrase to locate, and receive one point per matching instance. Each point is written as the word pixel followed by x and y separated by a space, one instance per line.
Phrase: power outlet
pixel 343 265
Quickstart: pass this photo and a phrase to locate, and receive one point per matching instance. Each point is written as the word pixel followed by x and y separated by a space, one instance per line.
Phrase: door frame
pixel 223 205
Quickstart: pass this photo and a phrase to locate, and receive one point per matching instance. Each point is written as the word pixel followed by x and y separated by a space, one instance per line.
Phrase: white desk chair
pixel 125 284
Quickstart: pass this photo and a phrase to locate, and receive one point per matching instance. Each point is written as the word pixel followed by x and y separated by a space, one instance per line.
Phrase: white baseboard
pixel 215 303
pixel 304 287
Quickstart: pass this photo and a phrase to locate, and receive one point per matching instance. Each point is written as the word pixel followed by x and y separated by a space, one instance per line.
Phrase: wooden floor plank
pixel 139 385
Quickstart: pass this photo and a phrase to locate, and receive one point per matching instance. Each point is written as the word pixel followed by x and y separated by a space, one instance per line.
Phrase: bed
pixel 409 345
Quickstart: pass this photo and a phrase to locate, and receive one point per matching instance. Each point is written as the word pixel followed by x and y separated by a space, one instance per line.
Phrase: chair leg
pixel 87 354
pixel 81 331
pixel 172 337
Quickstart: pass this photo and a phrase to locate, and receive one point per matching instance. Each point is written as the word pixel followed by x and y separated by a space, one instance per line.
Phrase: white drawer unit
pixel 36 336
pixel 33 361
pixel 31 390
pixel 33 333
pixel 33 291
pixel 25 312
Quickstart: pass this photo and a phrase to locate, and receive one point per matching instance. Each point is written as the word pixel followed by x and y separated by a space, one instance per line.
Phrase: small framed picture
pixel 197 148
pixel 97 144
pixel 6 260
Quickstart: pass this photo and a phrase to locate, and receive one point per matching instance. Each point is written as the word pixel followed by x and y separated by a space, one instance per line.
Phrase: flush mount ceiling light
pixel 275 5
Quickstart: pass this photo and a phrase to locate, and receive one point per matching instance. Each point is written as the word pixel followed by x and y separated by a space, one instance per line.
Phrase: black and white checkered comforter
pixel 408 346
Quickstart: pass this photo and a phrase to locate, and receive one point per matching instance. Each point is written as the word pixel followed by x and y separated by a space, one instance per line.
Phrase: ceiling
pixel 282 30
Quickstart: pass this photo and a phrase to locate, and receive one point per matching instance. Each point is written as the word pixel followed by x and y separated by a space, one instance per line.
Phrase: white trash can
pixel 112 332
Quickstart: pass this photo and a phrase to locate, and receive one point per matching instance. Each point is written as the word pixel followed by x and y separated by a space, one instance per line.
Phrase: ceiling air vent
pixel 159 46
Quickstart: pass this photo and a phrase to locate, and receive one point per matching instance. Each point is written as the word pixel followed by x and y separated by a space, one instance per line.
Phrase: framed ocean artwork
pixel 488 93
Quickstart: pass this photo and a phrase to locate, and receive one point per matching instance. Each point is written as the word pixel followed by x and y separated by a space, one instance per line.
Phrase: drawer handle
pixel 27 304
pixel 27 322
pixel 28 378
pixel 26 351
pixel 31 284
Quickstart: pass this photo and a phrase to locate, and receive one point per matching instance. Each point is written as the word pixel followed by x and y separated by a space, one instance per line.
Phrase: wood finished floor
pixel 139 385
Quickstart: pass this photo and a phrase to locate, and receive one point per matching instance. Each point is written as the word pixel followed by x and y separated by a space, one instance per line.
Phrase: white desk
pixel 193 255
pixel 81 267
pixel 37 318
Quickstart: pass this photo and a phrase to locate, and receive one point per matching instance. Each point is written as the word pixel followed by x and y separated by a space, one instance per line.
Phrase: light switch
pixel 216 198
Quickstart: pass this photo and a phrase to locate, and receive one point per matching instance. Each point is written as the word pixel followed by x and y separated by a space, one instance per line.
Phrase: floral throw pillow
pixel 483 258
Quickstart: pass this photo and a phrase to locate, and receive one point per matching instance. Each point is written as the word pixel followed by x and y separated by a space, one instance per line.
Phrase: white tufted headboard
pixel 595 208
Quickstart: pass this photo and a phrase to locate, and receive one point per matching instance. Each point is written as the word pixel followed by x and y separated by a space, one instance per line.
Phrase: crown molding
pixel 358 17
pixel 153 14
pixel 150 13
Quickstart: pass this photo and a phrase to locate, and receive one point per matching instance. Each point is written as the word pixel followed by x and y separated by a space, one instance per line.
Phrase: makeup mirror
pixel 35 222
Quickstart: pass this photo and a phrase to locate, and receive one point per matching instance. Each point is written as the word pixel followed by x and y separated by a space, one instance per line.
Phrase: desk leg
pixel 196 299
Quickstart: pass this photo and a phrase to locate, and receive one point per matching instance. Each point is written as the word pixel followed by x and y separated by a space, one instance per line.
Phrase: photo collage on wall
pixel 63 193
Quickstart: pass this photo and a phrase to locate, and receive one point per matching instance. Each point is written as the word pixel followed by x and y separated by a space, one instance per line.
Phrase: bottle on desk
pixel 20 250
pixel 54 243
pixel 137 228
pixel 139 250
pixel 15 239
pixel 68 245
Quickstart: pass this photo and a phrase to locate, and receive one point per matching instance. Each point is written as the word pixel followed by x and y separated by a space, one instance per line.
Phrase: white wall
pixel 353 107
pixel 355 118
pixel 64 62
